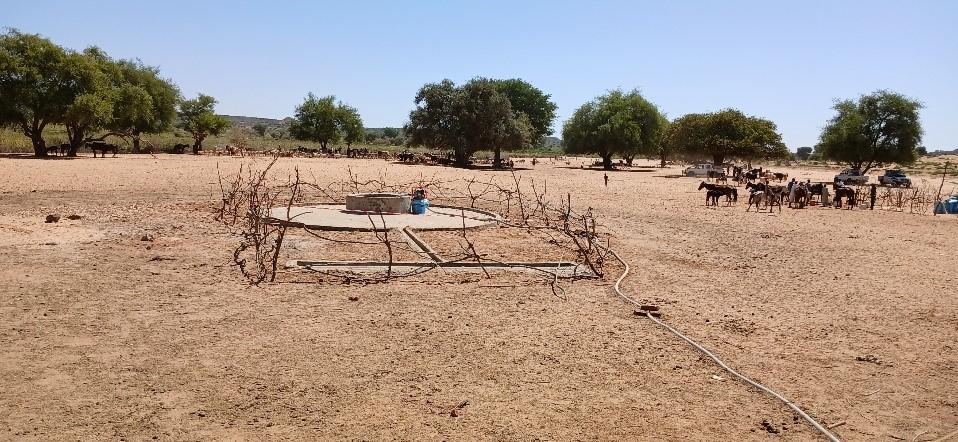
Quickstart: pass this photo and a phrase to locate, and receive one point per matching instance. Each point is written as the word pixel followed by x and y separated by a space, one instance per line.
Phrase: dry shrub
pixel 248 196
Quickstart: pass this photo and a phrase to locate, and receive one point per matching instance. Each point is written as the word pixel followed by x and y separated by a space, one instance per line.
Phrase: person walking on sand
pixel 606 177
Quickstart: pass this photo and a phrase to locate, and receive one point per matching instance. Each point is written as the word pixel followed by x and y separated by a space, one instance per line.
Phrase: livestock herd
pixel 96 146
pixel 764 195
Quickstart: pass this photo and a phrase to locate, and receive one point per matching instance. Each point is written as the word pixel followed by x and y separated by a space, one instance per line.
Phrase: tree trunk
pixel 197 146
pixel 74 149
pixel 662 163
pixel 718 159
pixel 39 145
pixel 628 160
pixel 136 142
pixel 607 162
pixel 75 135
pixel 497 158
pixel 462 157
pixel 35 133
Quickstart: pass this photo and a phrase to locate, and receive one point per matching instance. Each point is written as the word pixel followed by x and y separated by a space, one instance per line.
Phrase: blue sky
pixel 786 61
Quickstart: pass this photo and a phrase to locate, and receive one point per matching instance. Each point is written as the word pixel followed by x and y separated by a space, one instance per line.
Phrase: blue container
pixel 949 205
pixel 419 206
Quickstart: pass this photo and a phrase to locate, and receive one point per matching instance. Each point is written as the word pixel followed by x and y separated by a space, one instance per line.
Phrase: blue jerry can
pixel 419 206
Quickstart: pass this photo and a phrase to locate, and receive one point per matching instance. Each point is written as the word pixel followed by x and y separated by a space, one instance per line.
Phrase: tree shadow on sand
pixel 481 167
pixel 30 156
pixel 599 169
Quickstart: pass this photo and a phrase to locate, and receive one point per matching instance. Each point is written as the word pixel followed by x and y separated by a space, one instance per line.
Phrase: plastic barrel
pixel 951 206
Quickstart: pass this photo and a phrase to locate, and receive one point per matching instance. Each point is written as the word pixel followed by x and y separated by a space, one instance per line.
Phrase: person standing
pixel 605 176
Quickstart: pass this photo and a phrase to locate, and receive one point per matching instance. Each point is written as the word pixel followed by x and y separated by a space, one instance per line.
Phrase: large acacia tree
pixel 145 103
pixel 466 119
pixel 92 108
pixel 618 123
pixel 725 134
pixel 880 128
pixel 530 101
pixel 326 122
pixel 36 86
pixel 198 117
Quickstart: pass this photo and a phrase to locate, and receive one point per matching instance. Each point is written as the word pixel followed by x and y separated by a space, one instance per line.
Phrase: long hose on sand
pixel 618 289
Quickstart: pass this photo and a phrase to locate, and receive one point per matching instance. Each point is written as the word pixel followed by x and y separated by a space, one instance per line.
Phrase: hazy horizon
pixel 787 63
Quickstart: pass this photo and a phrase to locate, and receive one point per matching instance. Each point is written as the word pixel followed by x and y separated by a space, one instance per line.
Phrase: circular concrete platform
pixel 336 217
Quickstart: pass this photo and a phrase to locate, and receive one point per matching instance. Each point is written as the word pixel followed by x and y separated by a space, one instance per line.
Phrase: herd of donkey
pixel 765 195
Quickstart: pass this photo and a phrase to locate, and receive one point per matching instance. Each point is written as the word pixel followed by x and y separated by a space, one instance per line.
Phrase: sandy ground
pixel 851 314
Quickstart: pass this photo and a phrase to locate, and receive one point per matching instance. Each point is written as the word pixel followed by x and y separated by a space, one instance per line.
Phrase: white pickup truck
pixel 702 170
pixel 851 176
pixel 895 178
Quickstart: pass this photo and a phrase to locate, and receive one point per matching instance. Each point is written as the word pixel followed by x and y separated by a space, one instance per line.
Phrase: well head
pixel 379 202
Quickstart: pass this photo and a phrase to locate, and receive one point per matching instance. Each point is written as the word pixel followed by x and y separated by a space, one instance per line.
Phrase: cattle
pixel 103 147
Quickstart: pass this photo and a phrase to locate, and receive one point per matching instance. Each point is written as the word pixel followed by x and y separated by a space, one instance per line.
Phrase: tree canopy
pixel 92 107
pixel 145 102
pixel 466 119
pixel 198 117
pixel 726 134
pixel 533 103
pixel 36 87
pixel 42 84
pixel 325 121
pixel 618 123
pixel 880 128
pixel 803 153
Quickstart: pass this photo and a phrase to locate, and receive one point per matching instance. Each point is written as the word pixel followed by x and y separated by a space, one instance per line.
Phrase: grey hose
pixel 716 359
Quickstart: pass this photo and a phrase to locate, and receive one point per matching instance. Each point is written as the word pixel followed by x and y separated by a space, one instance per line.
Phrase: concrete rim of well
pixel 335 217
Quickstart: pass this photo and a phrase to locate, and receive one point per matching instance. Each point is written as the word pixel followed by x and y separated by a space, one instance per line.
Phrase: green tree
pixel 390 132
pixel 664 149
pixel 326 122
pixel 726 134
pixel 529 100
pixel 880 128
pixel 466 119
pixel 92 108
pixel 617 123
pixel 351 125
pixel 260 129
pixel 198 117
pixel 488 120
pixel 145 103
pixel 435 122
pixel 804 152
pixel 35 85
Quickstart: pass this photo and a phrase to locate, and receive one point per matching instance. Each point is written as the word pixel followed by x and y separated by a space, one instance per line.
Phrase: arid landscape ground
pixel 130 323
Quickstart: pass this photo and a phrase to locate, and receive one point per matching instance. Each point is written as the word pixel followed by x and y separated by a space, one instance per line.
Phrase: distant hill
pixel 547 143
pixel 249 122
pixel 550 143
pixel 943 152
pixel 272 123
